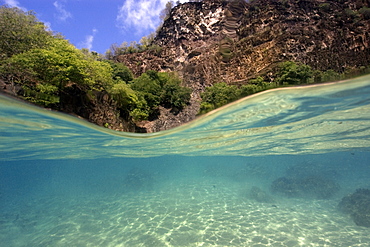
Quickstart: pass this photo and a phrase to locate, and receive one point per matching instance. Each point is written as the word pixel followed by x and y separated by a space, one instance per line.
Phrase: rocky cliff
pixel 233 41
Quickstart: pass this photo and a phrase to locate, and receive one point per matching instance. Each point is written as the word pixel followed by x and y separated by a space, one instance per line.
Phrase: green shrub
pixel 365 12
pixel 124 95
pixel 330 75
pixel 130 102
pixel 325 7
pixel 350 13
pixel 291 73
pixel 149 88
pixel 143 95
pixel 121 72
pixel 48 71
pixel 249 89
pixel 173 94
pixel 20 31
pixel 217 95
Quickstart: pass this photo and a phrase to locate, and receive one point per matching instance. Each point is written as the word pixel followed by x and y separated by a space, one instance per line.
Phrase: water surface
pixel 66 182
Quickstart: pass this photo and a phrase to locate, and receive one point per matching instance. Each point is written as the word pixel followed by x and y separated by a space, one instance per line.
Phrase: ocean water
pixel 216 181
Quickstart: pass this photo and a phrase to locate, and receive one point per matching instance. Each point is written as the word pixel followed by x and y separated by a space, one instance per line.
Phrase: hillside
pixel 205 54
pixel 234 41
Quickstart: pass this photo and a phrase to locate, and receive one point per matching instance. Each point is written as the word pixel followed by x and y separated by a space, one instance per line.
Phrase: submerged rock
pixel 310 186
pixel 260 195
pixel 358 206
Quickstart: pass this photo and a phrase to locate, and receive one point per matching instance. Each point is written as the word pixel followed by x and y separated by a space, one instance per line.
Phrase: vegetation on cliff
pixel 221 50
pixel 227 49
pixel 288 73
pixel 41 67
pixel 44 73
pixel 139 98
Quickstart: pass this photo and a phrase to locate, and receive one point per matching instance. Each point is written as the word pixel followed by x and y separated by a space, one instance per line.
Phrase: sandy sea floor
pixel 209 212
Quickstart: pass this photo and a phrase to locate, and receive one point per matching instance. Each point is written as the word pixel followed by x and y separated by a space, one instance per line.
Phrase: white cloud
pixel 88 43
pixel 63 14
pixel 142 15
pixel 14 3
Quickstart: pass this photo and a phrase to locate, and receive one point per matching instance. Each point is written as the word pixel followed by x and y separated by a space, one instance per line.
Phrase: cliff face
pixel 232 41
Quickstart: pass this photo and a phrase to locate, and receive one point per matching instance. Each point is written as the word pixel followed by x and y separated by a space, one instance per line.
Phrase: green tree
pixel 47 71
pixel 365 12
pixel 130 103
pixel 218 95
pixel 149 87
pixel 99 74
pixel 328 75
pixel 173 94
pixel 161 88
pixel 20 31
pixel 249 89
pixel 146 41
pixel 165 13
pixel 291 73
pixel 121 72
pixel 254 86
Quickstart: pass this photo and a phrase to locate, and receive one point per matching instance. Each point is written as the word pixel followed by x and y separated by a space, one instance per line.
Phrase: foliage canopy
pixel 291 73
pixel 141 97
pixel 20 31
pixel 45 65
pixel 288 73
pixel 45 72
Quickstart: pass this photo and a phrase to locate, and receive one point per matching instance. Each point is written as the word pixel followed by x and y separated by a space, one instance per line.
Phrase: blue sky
pixel 96 24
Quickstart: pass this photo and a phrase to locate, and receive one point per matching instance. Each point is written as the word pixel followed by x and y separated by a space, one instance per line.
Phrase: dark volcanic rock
pixel 98 108
pixel 232 41
pixel 311 186
pixel 358 206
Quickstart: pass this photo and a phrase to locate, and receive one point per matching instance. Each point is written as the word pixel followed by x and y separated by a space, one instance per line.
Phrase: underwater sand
pixel 188 212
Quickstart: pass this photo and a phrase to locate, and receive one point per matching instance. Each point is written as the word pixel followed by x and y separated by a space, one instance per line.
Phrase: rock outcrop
pixel 233 41
pixel 309 187
pixel 97 108
pixel 357 205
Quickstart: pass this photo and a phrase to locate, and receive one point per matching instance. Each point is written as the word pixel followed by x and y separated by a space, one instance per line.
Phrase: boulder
pixel 357 205
pixel 311 186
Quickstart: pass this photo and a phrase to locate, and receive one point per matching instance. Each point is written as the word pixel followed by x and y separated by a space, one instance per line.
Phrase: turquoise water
pixel 212 182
